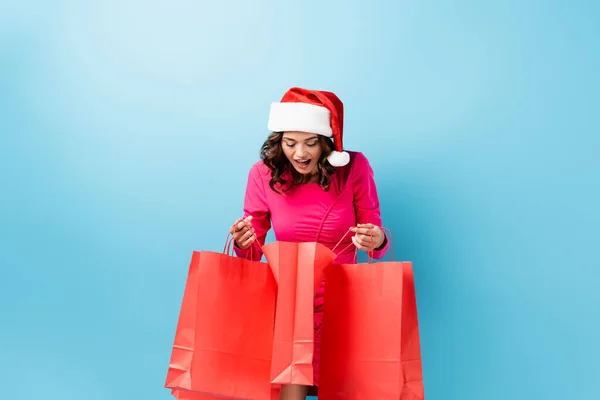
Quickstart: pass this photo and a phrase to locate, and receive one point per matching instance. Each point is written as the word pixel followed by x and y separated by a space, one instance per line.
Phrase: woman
pixel 307 188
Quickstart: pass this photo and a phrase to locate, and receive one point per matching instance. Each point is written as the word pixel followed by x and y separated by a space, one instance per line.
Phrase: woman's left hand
pixel 368 237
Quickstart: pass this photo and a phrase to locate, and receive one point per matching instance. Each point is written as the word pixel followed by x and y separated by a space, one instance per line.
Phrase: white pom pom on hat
pixel 338 158
pixel 314 111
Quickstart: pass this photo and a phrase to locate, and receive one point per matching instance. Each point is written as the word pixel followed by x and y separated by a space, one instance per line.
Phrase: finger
pixel 248 221
pixel 244 223
pixel 361 246
pixel 366 245
pixel 364 236
pixel 369 240
pixel 364 231
pixel 358 244
pixel 234 225
pixel 240 226
pixel 238 235
pixel 366 240
pixel 360 239
pixel 248 241
pixel 247 234
pixel 368 226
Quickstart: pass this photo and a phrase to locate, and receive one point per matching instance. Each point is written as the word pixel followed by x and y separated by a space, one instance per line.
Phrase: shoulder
pixel 259 170
pixel 354 172
pixel 357 159
pixel 359 164
pixel 260 174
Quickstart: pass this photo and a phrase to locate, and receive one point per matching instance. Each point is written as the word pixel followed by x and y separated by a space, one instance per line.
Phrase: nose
pixel 301 151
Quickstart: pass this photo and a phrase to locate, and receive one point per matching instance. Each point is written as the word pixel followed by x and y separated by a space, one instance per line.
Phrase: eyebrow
pixel 306 140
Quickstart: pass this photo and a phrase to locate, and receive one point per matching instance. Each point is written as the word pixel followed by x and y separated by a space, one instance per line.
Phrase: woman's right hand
pixel 243 232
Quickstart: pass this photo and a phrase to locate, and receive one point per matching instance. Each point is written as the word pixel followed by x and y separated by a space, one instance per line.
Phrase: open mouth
pixel 302 164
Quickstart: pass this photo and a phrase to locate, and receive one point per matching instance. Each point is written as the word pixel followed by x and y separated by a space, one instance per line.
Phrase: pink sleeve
pixel 255 204
pixel 366 200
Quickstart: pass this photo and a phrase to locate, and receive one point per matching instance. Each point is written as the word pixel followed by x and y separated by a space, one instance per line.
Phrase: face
pixel 303 150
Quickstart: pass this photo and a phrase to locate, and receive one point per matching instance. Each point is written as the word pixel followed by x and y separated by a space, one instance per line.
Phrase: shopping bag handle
pixel 370 258
pixel 389 235
pixel 227 249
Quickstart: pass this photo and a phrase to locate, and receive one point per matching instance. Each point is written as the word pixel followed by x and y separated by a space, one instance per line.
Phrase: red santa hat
pixel 313 111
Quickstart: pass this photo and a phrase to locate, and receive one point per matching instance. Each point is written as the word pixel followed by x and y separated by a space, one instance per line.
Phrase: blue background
pixel 127 130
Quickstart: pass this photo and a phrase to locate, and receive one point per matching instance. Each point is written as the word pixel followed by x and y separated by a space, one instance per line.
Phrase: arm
pixel 255 204
pixel 366 199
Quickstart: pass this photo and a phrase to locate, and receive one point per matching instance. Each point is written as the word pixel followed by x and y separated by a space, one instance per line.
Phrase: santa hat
pixel 313 111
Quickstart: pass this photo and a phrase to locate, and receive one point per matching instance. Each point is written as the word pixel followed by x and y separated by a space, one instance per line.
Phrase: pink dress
pixel 307 213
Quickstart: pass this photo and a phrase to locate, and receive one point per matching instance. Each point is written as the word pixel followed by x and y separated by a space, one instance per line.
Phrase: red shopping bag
pixel 188 395
pixel 370 334
pixel 224 337
pixel 299 269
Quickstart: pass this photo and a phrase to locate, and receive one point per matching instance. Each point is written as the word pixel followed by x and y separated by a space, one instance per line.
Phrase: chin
pixel 305 172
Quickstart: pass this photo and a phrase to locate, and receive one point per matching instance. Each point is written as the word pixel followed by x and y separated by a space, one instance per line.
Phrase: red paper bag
pixel 187 395
pixel 299 269
pixel 370 334
pixel 224 338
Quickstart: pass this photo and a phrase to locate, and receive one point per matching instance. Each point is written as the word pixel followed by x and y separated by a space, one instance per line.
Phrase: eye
pixel 290 144
pixel 312 144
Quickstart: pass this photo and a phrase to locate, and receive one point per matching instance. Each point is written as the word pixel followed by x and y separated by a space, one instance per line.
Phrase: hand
pixel 368 237
pixel 243 232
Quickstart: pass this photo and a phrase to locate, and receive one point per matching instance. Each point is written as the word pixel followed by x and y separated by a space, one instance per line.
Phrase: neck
pixel 305 178
pixel 310 178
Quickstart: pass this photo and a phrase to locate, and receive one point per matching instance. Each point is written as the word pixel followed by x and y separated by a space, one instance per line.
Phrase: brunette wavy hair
pixel 273 156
